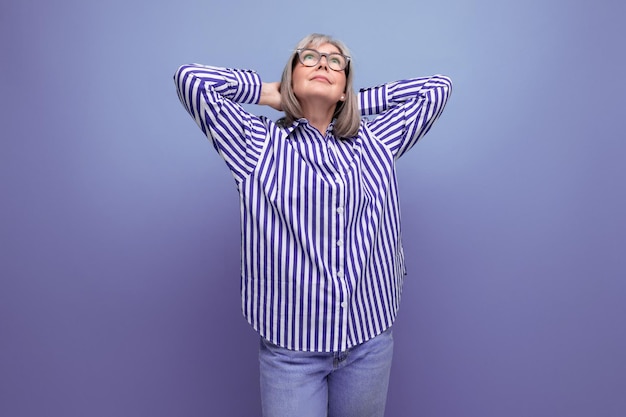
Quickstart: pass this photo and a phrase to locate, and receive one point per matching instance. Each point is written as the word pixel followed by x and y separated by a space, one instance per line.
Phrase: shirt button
pixel 339 242
pixel 344 305
pixel 339 210
pixel 340 274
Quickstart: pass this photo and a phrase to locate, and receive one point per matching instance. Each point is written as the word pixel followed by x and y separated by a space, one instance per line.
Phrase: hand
pixel 270 95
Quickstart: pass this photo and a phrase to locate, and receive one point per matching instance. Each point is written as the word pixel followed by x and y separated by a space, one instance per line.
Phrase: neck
pixel 318 114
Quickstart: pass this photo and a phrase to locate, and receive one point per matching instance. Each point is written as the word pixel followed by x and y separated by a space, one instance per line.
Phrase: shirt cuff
pixel 373 100
pixel 247 86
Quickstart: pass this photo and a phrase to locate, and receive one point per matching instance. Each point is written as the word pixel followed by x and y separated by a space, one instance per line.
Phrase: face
pixel 319 82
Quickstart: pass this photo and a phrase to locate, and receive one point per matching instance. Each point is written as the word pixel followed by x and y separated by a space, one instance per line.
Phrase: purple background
pixel 119 224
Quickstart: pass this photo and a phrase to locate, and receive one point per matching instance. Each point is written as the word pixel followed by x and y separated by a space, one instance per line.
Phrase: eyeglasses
pixel 311 57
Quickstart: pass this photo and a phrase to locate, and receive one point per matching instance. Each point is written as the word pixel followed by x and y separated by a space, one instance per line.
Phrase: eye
pixel 334 59
pixel 309 57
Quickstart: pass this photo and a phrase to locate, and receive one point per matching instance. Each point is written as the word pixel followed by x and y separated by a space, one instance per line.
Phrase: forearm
pixel 377 100
pixel 436 88
pixel 240 86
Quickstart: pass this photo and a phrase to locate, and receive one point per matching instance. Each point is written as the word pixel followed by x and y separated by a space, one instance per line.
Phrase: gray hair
pixel 347 113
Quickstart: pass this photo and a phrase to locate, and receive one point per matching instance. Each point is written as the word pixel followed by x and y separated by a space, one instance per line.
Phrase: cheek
pixel 296 79
pixel 342 82
pixel 298 74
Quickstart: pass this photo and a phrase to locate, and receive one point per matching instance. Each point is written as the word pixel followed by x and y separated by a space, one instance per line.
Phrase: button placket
pixel 340 248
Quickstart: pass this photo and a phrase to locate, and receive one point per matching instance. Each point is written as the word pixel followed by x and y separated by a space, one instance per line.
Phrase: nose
pixel 325 58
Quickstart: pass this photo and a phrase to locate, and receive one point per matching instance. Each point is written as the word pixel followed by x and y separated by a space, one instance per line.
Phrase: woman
pixel 322 262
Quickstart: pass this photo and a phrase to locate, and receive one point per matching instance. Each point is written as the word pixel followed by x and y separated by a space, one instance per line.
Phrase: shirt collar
pixel 302 121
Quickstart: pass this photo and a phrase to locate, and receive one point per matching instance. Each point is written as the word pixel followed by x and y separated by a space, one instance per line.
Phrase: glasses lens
pixel 309 57
pixel 336 62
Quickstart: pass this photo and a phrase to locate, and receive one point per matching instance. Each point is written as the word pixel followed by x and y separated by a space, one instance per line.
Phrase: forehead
pixel 324 47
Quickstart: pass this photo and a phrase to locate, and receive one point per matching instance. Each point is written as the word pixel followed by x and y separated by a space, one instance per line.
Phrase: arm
pixel 212 96
pixel 406 109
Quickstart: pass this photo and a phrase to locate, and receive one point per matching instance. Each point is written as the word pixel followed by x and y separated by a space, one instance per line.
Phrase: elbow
pixel 182 72
pixel 185 77
pixel 445 84
pixel 445 81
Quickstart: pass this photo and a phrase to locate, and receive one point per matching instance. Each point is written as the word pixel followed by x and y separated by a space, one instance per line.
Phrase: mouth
pixel 320 78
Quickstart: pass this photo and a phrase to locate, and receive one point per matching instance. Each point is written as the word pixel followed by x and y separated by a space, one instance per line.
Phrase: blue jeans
pixel 337 384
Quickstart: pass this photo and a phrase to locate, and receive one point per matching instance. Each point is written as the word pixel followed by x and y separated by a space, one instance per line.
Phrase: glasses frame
pixel 322 55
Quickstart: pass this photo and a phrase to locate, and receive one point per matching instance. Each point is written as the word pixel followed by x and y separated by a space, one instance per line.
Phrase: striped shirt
pixel 322 263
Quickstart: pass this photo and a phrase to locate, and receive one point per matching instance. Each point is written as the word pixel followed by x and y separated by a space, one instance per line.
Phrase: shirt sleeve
pixel 406 110
pixel 213 97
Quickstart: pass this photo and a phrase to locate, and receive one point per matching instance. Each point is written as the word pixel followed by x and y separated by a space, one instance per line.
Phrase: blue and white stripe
pixel 322 264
